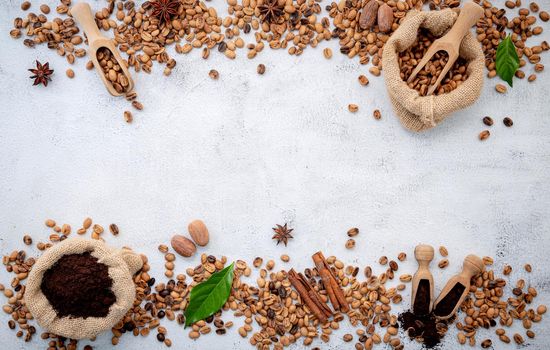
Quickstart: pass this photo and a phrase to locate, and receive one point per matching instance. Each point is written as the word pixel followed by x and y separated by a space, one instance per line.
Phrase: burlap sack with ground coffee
pixel 417 112
pixel 122 265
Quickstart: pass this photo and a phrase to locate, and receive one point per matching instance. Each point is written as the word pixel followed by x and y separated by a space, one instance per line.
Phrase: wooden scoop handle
pixel 83 15
pixel 424 253
pixel 472 266
pixel 469 14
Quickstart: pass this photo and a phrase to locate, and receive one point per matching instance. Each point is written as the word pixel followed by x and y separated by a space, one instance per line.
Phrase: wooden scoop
pixel 456 289
pixel 424 254
pixel 83 14
pixel 450 42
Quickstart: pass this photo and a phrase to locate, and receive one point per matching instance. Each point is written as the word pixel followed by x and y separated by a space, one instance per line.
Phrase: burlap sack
pixel 122 263
pixel 417 112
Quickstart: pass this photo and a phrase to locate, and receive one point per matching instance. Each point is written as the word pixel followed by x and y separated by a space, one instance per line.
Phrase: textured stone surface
pixel 248 151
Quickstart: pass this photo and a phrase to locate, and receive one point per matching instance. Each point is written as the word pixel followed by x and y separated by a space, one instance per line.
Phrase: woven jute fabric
pixel 122 265
pixel 417 112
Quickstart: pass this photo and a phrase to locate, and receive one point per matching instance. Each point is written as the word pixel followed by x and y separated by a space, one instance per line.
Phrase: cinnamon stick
pixel 335 293
pixel 312 301
pixel 315 296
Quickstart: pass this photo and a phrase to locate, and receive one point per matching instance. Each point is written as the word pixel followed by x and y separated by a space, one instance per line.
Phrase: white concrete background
pixel 248 151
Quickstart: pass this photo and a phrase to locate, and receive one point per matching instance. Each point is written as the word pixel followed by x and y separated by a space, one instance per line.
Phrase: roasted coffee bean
pixel 114 229
pixel 261 69
pixel 488 121
pixel 484 135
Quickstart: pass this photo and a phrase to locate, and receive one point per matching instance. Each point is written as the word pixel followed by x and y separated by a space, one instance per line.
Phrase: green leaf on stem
pixel 507 60
pixel 209 296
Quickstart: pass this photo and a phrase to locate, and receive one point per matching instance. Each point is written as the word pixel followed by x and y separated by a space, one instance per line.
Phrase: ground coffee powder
pixel 426 328
pixel 449 301
pixel 422 299
pixel 78 286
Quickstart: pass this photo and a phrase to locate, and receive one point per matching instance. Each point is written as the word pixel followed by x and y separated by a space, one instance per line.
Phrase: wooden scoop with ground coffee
pixel 423 282
pixel 456 289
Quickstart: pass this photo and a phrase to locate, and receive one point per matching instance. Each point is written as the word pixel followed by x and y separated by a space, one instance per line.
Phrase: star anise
pixel 164 10
pixel 271 11
pixel 282 234
pixel 42 73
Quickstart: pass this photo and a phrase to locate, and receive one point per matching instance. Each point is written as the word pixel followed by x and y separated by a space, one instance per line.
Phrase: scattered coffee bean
pixel 114 229
pixel 213 74
pixel 488 121
pixel 260 69
pixel 352 232
pixel 484 135
pixel 500 88
pixel 508 121
pixel 363 80
pixel 137 105
pixel 405 278
pixel 45 9
pixel 128 117
pixel 374 71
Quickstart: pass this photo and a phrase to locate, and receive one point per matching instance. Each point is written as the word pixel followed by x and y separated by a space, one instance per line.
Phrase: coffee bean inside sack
pixel 77 285
pixel 428 75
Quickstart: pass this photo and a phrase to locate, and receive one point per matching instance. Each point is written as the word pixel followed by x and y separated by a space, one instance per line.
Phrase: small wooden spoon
pixel 456 289
pixel 83 14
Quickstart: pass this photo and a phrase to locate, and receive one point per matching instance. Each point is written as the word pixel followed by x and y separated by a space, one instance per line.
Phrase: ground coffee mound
pixel 427 328
pixel 78 286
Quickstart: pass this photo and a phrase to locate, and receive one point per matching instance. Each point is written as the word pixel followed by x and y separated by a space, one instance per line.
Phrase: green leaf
pixel 209 296
pixel 507 60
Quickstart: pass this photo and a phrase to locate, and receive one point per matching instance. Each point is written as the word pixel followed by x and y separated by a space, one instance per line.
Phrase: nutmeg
pixel 368 14
pixel 199 232
pixel 385 18
pixel 183 245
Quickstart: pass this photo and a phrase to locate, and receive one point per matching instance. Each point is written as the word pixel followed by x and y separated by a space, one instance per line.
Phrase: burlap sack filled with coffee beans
pixel 417 112
pixel 122 265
